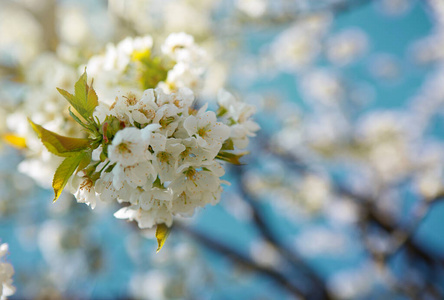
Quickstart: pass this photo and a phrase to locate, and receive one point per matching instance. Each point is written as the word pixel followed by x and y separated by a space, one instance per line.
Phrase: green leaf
pixel 84 162
pixel 162 232
pixel 84 99
pixel 74 101
pixel 81 90
pixel 16 141
pixel 77 119
pixel 232 158
pixel 228 145
pixel 152 70
pixel 64 172
pixel 71 98
pixel 60 145
pixel 221 111
pixel 92 99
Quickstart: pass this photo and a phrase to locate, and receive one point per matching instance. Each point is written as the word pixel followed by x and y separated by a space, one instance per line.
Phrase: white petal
pixel 190 124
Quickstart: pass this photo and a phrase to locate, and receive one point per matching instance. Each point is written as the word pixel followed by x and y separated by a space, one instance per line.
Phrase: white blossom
pixel 6 273
pixel 120 69
pixel 128 147
pixel 204 127
pixel 297 47
pixel 253 8
pixel 346 46
pixel 177 44
pixel 84 190
pixel 240 114
pixel 160 160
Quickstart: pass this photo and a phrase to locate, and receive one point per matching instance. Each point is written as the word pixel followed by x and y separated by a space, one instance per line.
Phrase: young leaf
pixel 77 119
pixel 228 145
pixel 81 90
pixel 74 101
pixel 84 162
pixel 64 172
pixel 15 140
pixel 92 100
pixel 151 70
pixel 84 99
pixel 162 232
pixel 232 158
pixel 57 144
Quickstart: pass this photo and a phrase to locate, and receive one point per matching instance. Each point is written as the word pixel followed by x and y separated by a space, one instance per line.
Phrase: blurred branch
pixel 368 207
pixel 371 215
pixel 406 234
pixel 268 234
pixel 389 224
pixel 348 6
pixel 235 256
pixel 240 258
pixel 404 239
pixel 292 14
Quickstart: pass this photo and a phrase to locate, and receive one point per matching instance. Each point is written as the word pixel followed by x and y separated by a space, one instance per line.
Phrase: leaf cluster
pixel 76 151
pixel 151 70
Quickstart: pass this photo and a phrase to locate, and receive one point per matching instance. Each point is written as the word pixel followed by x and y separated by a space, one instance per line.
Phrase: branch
pixel 388 224
pixel 412 291
pixel 405 236
pixel 372 214
pixel 290 14
pixel 268 234
pixel 240 258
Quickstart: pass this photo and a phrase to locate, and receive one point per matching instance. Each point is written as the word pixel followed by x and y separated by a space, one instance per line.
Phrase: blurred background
pixel 340 197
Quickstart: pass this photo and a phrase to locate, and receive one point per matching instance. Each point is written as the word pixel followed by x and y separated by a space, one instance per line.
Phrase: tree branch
pixel 319 289
pixel 240 258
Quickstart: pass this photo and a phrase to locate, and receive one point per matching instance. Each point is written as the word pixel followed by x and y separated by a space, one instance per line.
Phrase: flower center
pixel 149 113
pixel 185 153
pixel 130 99
pixel 164 122
pixel 86 184
pixel 191 173
pixel 124 148
pixel 203 131
pixel 163 157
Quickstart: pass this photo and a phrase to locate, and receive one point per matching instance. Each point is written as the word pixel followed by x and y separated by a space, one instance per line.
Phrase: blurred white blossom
pixel 347 46
pixel 6 273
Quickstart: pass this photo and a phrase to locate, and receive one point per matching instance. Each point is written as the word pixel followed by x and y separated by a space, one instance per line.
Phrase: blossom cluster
pixel 6 272
pixel 163 157
pixel 158 154
pixel 145 142
pixel 133 65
